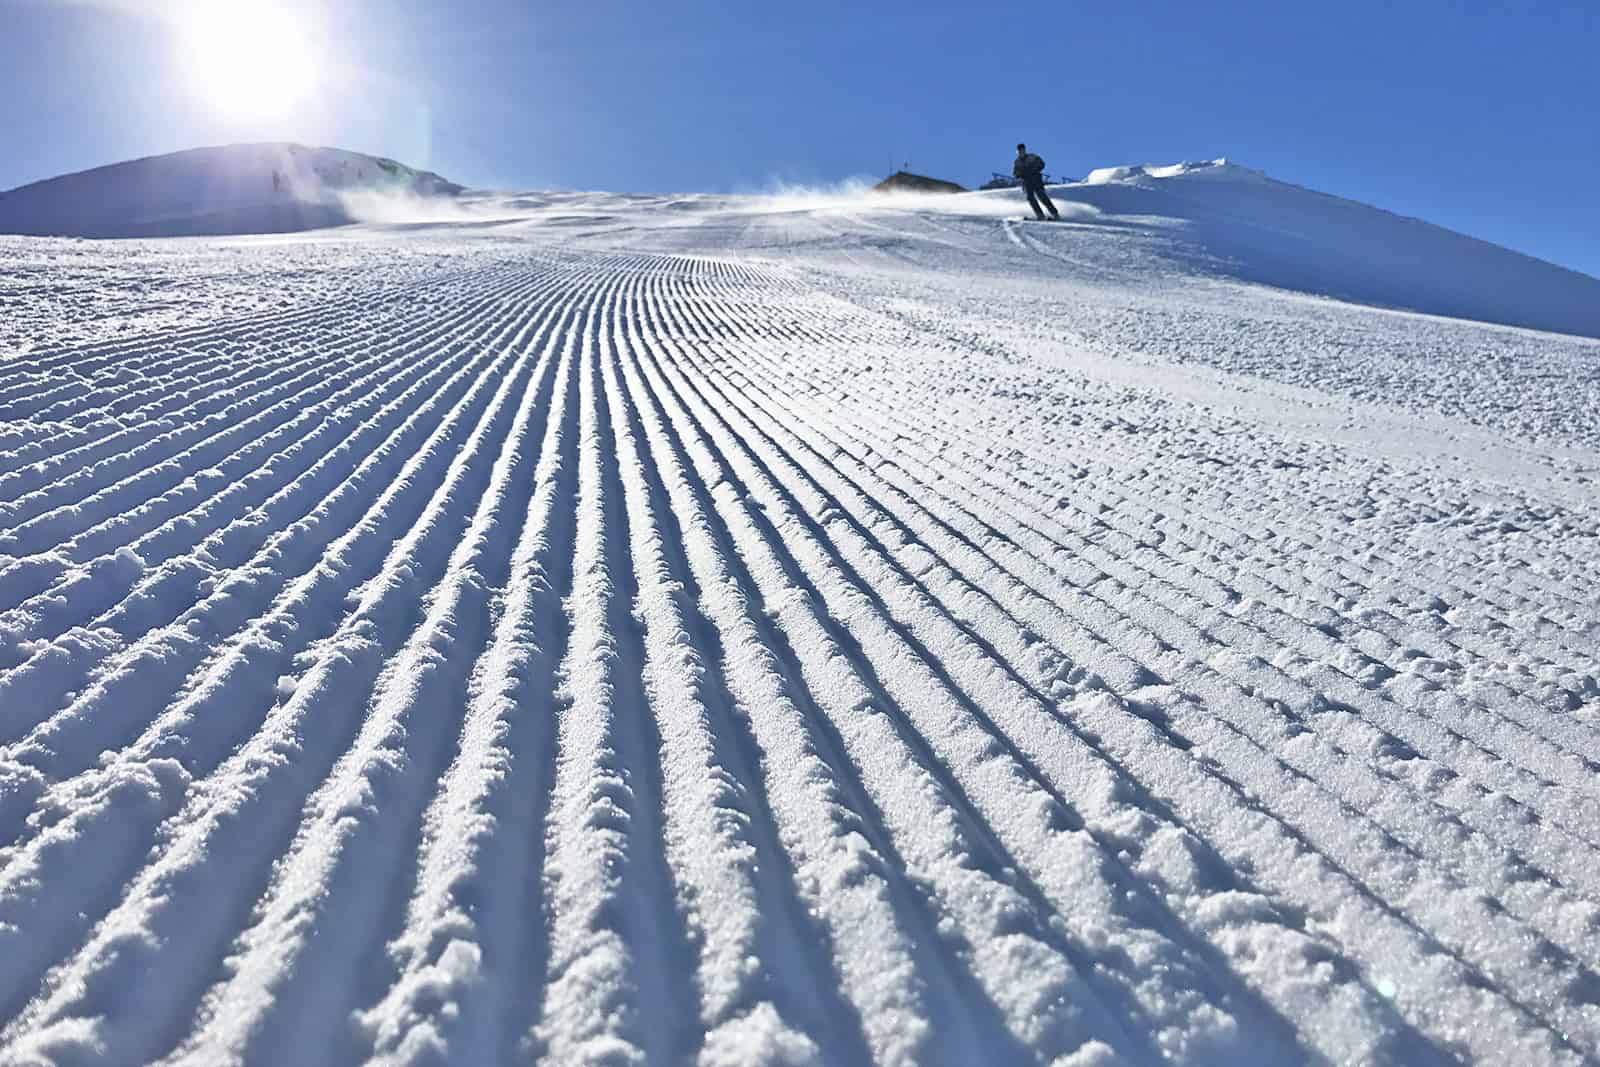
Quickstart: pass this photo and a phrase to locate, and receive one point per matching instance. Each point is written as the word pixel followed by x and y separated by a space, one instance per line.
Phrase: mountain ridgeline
pixel 234 189
pixel 1209 219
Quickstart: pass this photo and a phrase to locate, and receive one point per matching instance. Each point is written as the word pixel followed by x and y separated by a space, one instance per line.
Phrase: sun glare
pixel 249 60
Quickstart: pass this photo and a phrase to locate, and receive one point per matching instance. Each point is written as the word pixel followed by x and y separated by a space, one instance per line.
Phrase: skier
pixel 1029 170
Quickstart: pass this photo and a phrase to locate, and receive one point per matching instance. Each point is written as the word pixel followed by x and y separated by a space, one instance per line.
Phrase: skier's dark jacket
pixel 1029 169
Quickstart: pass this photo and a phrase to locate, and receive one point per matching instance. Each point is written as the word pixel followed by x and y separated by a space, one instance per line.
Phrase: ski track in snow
pixel 794 637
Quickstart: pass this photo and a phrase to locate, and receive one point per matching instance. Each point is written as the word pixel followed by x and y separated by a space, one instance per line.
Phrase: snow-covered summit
pixel 1232 220
pixel 245 188
pixel 1207 168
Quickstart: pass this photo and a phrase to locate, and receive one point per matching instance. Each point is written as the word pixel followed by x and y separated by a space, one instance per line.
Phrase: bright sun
pixel 249 58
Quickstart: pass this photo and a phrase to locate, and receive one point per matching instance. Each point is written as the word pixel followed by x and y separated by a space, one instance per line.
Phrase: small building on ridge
pixel 903 181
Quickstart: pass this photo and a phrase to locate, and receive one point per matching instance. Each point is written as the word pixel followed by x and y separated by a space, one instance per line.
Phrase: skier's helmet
pixel 1021 148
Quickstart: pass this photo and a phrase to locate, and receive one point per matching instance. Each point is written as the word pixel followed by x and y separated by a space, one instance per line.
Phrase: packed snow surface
pixel 824 629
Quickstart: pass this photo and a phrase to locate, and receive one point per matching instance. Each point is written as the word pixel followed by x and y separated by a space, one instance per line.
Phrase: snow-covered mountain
pixel 1259 229
pixel 232 189
pixel 1213 218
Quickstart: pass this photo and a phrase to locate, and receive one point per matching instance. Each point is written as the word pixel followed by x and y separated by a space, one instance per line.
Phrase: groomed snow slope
pixel 605 630
pixel 231 189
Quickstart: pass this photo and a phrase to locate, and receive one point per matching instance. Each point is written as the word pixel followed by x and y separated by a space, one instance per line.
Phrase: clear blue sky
pixel 1477 119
